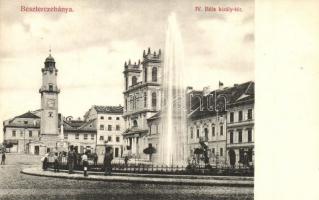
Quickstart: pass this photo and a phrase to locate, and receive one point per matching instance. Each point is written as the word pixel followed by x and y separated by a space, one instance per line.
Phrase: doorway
pixel 36 150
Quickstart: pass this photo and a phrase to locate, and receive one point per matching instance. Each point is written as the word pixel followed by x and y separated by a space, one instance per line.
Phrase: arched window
pixel 154 99
pixel 134 80
pixel 154 74
pixel 145 99
pixel 206 134
pixel 145 74
pixel 134 123
pixel 50 87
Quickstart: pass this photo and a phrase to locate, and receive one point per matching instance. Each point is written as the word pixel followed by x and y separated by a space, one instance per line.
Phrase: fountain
pixel 174 132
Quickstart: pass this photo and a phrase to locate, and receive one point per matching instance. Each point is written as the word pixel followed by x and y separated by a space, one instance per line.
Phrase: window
pixel 231 117
pixel 101 137
pixel 92 136
pixel 109 127
pixel 117 139
pixel 101 117
pixel 213 151
pixel 145 74
pixel 126 83
pixel 118 127
pixel 240 116
pixel 192 132
pixel 116 152
pixel 231 137
pixel 21 133
pixel 154 99
pixel 197 133
pixel 154 74
pixel 134 80
pixel 134 123
pixel 25 122
pixel 30 133
pixel 77 136
pixel 145 99
pixel 221 153
pixel 65 136
pixel 85 136
pixel 240 136
pixel 50 87
pixel 109 118
pixel 117 118
pixel 250 114
pixel 109 138
pixel 221 130
pixel 14 133
pixel 206 134
pixel 213 131
pixel 50 114
pixel 101 127
pixel 249 132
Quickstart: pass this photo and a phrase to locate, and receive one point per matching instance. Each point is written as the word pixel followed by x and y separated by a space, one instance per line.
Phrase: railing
pixel 150 168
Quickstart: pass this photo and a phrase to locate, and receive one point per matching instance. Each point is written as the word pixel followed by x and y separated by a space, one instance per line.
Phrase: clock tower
pixel 49 91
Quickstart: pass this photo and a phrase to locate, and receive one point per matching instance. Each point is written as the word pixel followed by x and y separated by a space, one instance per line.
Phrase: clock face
pixel 51 103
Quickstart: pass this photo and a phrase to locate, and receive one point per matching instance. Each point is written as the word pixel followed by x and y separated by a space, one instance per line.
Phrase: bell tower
pixel 49 104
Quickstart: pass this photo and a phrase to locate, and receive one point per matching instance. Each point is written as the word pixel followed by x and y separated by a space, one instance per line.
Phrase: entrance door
pixel 36 150
pixel 232 157
pixel 116 152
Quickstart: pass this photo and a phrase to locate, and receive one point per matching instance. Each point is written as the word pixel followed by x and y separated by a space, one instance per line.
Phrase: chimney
pixel 220 85
pixel 189 89
pixel 206 90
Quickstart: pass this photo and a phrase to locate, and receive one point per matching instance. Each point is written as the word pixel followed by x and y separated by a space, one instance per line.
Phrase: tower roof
pixel 49 59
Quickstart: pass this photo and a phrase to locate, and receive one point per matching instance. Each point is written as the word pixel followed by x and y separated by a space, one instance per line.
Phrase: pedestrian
pixel 95 159
pixel 108 157
pixel 45 162
pixel 56 162
pixel 85 163
pixel 71 159
pixel 3 158
pixel 126 160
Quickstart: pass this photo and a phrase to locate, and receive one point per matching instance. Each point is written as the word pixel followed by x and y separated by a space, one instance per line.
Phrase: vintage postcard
pixel 127 99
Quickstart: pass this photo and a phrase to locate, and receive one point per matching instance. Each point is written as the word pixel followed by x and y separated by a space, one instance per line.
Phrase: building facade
pixel 142 97
pixel 224 119
pixel 109 128
pixel 20 131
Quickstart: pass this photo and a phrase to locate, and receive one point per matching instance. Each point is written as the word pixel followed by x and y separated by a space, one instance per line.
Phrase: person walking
pixel 56 162
pixel 95 159
pixel 108 157
pixel 85 163
pixel 3 158
pixel 45 162
pixel 71 160
pixel 126 161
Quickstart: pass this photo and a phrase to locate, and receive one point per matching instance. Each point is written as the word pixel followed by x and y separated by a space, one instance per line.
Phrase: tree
pixel 150 151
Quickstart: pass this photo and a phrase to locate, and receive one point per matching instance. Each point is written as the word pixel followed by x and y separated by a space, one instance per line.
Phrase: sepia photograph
pixel 127 99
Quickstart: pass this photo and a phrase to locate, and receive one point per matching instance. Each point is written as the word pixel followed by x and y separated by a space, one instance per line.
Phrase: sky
pixel 91 44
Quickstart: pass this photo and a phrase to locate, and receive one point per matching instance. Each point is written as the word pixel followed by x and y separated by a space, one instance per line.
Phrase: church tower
pixel 49 104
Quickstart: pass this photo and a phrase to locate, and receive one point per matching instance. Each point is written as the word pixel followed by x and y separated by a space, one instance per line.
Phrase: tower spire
pixel 50 51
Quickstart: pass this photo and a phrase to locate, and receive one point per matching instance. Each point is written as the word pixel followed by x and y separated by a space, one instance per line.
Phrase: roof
pixel 237 95
pixel 28 115
pixel 109 109
pixel 79 125
pixel 49 59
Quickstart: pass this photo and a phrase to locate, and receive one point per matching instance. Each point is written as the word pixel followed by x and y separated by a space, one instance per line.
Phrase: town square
pixel 127 116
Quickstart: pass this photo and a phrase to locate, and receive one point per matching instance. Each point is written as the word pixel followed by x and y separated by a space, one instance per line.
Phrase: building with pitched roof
pixel 109 128
pixel 21 130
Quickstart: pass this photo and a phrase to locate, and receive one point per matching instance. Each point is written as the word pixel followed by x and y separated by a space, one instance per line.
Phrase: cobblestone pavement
pixel 14 185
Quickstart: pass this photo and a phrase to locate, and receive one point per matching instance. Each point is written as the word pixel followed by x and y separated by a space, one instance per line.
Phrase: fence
pixel 160 169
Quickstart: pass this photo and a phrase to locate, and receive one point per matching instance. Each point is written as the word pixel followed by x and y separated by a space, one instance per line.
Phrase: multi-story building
pixel 79 133
pixel 20 131
pixel 223 118
pixel 240 125
pixel 110 126
pixel 142 97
